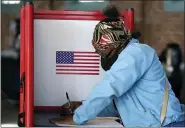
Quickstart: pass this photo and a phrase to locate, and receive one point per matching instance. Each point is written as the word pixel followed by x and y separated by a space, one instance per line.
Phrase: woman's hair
pixel 111 12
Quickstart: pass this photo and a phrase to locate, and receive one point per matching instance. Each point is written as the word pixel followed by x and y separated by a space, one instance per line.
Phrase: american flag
pixel 77 63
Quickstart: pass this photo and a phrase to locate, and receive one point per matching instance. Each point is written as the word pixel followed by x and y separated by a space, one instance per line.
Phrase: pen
pixel 69 102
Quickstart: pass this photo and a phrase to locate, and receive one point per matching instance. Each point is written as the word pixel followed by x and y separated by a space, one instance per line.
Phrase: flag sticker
pixel 77 63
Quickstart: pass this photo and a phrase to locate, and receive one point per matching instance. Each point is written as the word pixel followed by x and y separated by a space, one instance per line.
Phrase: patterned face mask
pixel 109 35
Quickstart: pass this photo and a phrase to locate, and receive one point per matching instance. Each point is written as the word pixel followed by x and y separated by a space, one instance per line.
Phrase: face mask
pixel 108 61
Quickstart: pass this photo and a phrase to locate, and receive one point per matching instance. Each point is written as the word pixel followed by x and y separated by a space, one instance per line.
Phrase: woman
pixel 134 80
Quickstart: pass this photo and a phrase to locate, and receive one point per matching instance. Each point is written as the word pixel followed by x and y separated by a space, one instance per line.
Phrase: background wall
pixel 73 5
pixel 162 27
pixel 5 35
pixel 10 12
pixel 8 8
pixel 158 27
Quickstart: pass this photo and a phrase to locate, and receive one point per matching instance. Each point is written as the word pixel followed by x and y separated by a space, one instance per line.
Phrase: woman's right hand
pixel 72 107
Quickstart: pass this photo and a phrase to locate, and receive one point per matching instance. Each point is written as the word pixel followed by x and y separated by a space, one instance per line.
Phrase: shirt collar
pixel 133 41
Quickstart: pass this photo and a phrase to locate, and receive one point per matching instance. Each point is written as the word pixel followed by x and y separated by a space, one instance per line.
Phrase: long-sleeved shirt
pixel 136 82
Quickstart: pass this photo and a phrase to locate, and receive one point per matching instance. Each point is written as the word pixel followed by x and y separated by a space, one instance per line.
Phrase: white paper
pixel 96 123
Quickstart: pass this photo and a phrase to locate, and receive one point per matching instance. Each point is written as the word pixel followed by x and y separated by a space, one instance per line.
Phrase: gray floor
pixel 42 119
pixel 9 114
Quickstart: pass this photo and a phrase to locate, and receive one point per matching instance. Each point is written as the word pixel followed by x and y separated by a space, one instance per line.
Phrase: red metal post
pixel 22 62
pixel 129 19
pixel 29 65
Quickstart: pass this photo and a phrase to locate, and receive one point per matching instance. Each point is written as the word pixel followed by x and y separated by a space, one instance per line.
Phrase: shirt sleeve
pixel 129 67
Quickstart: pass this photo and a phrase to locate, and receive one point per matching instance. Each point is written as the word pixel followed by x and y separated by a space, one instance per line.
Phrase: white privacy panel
pixel 62 47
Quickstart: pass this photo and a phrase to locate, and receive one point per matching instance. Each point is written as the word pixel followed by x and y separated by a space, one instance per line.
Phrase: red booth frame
pixel 27 16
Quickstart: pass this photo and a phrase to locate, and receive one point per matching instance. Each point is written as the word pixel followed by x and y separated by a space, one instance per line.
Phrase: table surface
pixel 42 118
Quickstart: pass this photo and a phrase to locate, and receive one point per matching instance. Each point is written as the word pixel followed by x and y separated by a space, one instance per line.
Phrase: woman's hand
pixel 72 107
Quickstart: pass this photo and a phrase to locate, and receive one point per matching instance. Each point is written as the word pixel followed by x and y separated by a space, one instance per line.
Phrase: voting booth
pixel 57 57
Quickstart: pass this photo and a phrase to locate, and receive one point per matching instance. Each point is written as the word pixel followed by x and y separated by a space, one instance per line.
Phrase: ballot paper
pixel 97 122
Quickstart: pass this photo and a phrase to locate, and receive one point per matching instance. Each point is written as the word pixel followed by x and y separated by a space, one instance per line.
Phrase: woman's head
pixel 110 37
pixel 109 33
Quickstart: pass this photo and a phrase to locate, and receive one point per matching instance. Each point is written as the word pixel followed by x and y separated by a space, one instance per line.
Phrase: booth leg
pixel 29 65
pixel 22 71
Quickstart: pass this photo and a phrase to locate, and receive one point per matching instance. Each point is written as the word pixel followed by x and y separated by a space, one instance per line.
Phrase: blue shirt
pixel 136 82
